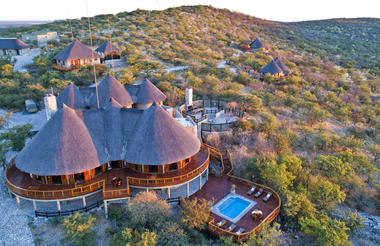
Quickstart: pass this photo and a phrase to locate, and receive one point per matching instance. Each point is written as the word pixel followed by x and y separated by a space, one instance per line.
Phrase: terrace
pixel 20 183
pixel 219 186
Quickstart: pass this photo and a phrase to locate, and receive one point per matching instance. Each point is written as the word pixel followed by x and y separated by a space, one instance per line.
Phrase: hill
pixel 314 135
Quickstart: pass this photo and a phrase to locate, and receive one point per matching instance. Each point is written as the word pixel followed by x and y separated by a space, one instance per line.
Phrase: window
pixel 173 167
pixel 57 179
pixel 98 170
pixel 79 177
pixel 187 160
pixel 153 169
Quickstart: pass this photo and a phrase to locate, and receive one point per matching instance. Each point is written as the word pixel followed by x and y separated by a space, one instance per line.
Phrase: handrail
pixel 108 193
pixel 169 181
pixel 61 193
pixel 269 217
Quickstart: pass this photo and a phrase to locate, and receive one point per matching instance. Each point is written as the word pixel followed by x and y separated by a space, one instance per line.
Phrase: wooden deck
pixel 22 184
pixel 217 187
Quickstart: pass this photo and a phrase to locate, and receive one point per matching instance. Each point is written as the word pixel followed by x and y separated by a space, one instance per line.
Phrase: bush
pixel 195 213
pixel 146 210
pixel 77 229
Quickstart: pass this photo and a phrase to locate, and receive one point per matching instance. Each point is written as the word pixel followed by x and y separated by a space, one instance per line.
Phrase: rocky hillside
pixel 314 136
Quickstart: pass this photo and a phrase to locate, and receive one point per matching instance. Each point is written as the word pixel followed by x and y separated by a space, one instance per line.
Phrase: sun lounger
pixel 250 192
pixel 259 193
pixel 221 223
pixel 231 227
pixel 267 197
pixel 241 230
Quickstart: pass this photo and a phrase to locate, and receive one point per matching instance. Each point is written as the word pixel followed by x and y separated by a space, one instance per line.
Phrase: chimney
pixel 188 98
pixel 50 105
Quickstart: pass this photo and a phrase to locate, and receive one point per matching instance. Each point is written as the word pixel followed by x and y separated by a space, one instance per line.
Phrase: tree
pixel 145 210
pixel 4 148
pixel 275 174
pixel 298 205
pixel 267 235
pixel 17 136
pixel 132 237
pixel 268 124
pixel 354 221
pixel 333 167
pixel 327 231
pixel 77 229
pixel 325 194
pixel 195 213
pixel 172 234
pixel 375 150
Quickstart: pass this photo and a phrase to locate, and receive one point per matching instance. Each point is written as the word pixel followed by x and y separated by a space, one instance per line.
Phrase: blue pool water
pixel 233 206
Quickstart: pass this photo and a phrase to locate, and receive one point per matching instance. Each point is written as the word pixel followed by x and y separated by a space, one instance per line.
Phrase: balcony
pixel 20 183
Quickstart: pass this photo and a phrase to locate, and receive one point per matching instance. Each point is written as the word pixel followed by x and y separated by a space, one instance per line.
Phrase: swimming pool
pixel 233 207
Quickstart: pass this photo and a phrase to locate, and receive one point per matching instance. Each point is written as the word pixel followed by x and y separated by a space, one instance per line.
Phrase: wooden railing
pixel 214 152
pixel 64 68
pixel 108 192
pixel 158 182
pixel 72 192
pixel 54 194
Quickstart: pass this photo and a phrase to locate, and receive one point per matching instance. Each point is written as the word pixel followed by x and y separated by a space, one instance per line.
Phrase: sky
pixel 277 10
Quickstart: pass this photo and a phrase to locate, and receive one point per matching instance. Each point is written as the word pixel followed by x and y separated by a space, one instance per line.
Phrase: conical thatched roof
pixel 76 50
pixel 107 47
pixel 71 96
pixel 63 146
pixel 109 88
pixel 271 68
pixel 149 93
pixel 257 44
pixel 281 64
pixel 159 139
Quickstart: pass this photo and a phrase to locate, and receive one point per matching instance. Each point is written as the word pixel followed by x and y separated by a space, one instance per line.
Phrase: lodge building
pixel 74 56
pixel 12 46
pixel 115 143
pixel 275 68
pixel 130 139
pixel 108 51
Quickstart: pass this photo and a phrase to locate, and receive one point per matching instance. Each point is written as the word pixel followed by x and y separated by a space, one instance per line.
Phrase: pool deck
pixel 218 187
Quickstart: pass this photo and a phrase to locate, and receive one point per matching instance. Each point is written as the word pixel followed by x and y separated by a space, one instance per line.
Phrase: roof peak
pixel 157 136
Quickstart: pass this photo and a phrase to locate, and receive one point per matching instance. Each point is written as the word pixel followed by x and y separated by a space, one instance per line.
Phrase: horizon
pixel 289 11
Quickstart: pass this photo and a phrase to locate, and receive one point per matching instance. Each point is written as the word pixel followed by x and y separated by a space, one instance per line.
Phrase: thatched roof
pixel 281 65
pixel 271 68
pixel 149 93
pixel 12 44
pixel 71 96
pixel 109 88
pixel 107 47
pixel 112 130
pixel 63 146
pixel 74 142
pixel 76 50
pixel 159 139
pixel 257 44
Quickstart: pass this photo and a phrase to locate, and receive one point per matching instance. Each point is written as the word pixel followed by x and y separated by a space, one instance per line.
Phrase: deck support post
pixel 59 206
pixel 84 201
pixel 168 192
pixel 207 174
pixel 106 209
pixel 109 165
pixel 200 181
pixel 18 201
pixel 187 189
pixel 34 205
